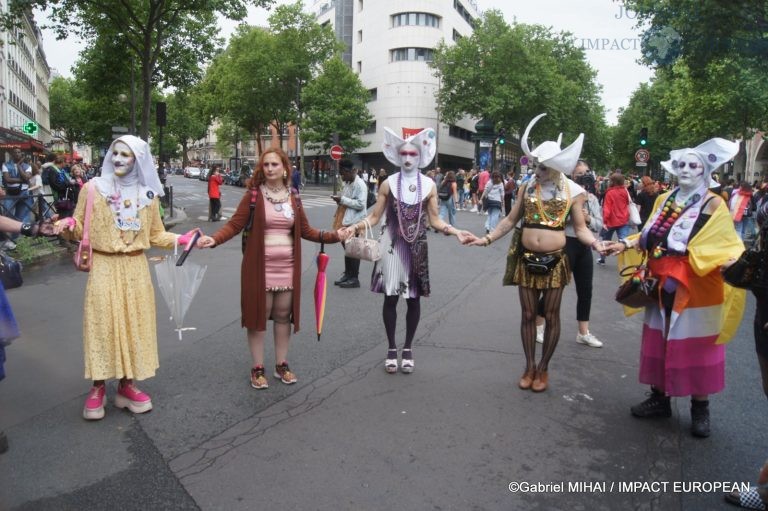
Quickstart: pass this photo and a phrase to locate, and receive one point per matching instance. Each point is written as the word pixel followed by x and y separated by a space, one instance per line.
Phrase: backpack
pixel 371 199
pixel 444 192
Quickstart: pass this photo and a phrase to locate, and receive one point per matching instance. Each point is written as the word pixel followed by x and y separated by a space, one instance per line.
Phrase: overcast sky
pixel 604 29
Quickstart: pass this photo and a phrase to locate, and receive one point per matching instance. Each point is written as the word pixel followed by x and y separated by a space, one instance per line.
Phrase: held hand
pixel 67 223
pixel 336 198
pixel 206 242
pixel 46 228
pixel 465 237
pixel 348 232
pixel 727 264
pixel 187 236
pixel 477 242
pixel 343 234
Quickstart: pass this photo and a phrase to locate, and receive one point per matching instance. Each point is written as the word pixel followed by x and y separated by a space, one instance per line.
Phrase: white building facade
pixel 24 77
pixel 389 44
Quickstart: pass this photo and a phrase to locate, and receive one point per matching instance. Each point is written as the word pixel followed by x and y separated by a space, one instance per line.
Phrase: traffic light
pixel 502 136
pixel 30 127
pixel 643 137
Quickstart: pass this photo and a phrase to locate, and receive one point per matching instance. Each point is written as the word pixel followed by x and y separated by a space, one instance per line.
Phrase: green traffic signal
pixel 501 138
pixel 643 137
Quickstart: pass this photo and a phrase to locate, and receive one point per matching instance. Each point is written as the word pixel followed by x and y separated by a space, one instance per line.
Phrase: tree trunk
pixel 184 158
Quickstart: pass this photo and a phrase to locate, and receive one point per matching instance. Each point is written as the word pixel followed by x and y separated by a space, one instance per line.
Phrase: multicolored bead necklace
pixel 667 218
pixel 413 233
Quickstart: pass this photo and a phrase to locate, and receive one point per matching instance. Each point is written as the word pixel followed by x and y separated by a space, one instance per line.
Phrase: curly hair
pixel 258 178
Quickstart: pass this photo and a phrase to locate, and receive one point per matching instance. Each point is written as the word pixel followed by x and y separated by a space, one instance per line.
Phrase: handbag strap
pixel 251 209
pixel 368 228
pixel 88 212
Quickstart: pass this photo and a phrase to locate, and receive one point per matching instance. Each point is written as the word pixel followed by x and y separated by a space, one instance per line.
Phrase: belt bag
pixel 16 190
pixel 540 264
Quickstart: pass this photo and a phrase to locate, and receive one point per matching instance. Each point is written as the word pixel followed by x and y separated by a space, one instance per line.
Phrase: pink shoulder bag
pixel 84 253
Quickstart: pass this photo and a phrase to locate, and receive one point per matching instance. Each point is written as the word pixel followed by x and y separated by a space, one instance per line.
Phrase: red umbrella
pixel 320 287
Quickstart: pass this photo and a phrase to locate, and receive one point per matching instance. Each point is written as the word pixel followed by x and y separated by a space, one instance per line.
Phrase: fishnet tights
pixel 529 300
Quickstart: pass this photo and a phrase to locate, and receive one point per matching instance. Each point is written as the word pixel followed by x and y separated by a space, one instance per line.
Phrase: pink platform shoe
pixel 128 396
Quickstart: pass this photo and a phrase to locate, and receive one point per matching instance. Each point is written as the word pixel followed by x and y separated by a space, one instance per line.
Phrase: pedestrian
pixel 493 196
pixel 742 206
pixel 473 189
pixel 461 177
pixel 646 197
pixel 9 329
pixel 351 209
pixel 760 290
pixel 482 180
pixel 78 180
pixel 296 179
pixel 687 239
pixel 447 194
pixel 756 497
pixel 580 260
pixel 119 325
pixel 615 211
pixel 16 175
pixel 62 185
pixel 407 199
pixel 270 273
pixel 510 187
pixel 215 181
pixel 36 190
pixel 539 266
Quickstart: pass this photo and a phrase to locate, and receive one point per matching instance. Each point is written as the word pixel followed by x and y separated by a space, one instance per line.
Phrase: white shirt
pixel 411 197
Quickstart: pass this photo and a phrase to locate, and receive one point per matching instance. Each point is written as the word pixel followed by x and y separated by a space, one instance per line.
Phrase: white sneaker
pixel 540 334
pixel 9 245
pixel 589 340
pixel 473 210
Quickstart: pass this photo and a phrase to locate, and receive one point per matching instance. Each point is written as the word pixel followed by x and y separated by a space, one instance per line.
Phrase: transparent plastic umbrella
pixel 178 285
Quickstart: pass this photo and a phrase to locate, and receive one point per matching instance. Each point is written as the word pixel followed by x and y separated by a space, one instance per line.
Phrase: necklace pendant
pixel 278 207
pixel 412 188
pixel 127 203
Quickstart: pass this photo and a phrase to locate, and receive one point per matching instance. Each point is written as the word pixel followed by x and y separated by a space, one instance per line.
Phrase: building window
pixel 456 35
pixel 463 12
pixel 359 36
pixel 359 66
pixel 374 94
pixel 371 128
pixel 421 19
pixel 461 133
pixel 417 54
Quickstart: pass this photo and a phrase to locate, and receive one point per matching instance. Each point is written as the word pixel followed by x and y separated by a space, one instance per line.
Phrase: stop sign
pixel 336 152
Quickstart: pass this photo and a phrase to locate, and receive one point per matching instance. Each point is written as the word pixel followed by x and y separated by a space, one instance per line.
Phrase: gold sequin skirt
pixel 119 321
pixel 560 275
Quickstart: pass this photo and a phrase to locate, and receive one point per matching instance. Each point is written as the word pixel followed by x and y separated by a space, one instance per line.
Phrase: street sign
pixel 641 157
pixel 641 164
pixel 485 143
pixel 337 152
pixel 119 129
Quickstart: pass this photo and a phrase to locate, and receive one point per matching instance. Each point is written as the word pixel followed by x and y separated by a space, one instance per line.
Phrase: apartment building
pixel 24 77
pixel 389 44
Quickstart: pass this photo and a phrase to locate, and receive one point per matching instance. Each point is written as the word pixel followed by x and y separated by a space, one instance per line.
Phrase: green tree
pixel 167 39
pixel 511 73
pixel 69 108
pixel 335 102
pixel 187 121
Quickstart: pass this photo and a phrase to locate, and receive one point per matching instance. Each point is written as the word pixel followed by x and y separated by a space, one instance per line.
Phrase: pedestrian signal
pixel 643 137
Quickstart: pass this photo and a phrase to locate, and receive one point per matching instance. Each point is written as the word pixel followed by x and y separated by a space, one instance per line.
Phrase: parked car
pixel 244 175
pixel 204 174
pixel 193 172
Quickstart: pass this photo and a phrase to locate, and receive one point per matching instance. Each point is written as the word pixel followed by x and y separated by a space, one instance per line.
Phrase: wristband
pixel 446 229
pixel 624 242
pixel 487 239
pixel 28 229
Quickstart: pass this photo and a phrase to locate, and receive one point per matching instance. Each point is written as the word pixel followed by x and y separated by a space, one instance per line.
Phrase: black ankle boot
pixel 700 418
pixel 657 405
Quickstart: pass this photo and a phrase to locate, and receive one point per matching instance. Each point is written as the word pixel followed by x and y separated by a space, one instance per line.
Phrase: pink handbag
pixel 365 248
pixel 84 253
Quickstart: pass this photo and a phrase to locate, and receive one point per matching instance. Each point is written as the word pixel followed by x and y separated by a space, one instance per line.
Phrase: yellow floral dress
pixel 119 323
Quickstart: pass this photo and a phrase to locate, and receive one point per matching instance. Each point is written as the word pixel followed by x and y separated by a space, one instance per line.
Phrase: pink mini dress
pixel 278 246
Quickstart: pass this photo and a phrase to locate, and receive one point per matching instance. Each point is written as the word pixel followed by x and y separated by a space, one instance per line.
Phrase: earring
pixel 285 174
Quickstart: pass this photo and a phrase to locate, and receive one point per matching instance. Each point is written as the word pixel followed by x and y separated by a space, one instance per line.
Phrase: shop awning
pixel 10 139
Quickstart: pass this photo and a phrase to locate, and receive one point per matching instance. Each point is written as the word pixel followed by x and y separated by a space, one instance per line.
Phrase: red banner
pixel 409 132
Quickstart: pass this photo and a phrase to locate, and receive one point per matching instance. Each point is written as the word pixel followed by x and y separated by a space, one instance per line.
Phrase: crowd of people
pixel 690 230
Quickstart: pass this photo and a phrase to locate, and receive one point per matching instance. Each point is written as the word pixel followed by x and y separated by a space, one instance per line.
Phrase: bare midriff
pixel 543 240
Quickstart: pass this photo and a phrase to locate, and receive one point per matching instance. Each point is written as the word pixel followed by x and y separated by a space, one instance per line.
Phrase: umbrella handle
pixel 322 243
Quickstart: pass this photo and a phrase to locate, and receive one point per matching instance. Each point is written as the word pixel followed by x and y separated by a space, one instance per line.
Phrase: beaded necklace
pixel 667 218
pixel 409 216
pixel 553 221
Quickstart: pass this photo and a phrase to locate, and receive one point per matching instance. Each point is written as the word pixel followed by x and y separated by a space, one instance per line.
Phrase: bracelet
pixel 487 239
pixel 446 229
pixel 594 242
pixel 624 242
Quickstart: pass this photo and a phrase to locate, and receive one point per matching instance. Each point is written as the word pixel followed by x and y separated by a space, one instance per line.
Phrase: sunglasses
pixel 409 153
pixel 693 165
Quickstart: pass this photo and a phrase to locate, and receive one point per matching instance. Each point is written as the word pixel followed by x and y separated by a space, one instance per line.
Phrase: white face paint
pixel 690 176
pixel 543 173
pixel 123 159
pixel 409 156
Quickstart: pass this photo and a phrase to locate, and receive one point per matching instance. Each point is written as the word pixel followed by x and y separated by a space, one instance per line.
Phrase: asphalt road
pixel 453 435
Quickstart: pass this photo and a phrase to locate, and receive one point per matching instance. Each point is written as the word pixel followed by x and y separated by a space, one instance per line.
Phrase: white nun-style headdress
pixel 425 140
pixel 549 153
pixel 713 153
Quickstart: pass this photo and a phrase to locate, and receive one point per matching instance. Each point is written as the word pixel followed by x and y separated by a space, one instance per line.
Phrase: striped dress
pixel 404 267
pixel 705 314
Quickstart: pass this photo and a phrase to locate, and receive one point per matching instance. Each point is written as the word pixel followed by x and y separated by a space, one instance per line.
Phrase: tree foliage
pixel 168 39
pixel 335 102
pixel 511 73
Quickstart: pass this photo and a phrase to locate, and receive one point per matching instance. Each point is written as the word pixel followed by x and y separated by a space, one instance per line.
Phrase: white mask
pixel 123 159
pixel 409 156
pixel 687 177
